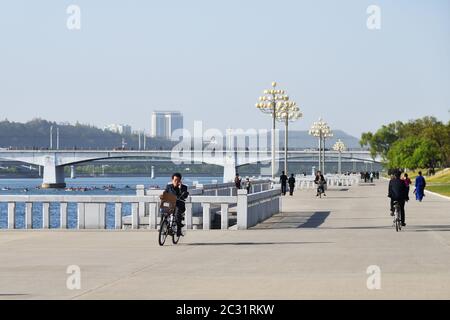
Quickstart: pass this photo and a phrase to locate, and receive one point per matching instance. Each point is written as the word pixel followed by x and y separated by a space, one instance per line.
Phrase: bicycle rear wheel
pixel 398 224
pixel 163 232
pixel 175 237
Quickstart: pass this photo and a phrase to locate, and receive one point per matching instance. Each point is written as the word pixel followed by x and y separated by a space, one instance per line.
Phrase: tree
pixel 431 135
pixel 382 140
pixel 413 153
pixel 432 129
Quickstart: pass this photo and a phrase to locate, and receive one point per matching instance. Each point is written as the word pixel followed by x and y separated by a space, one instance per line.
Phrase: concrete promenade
pixel 315 249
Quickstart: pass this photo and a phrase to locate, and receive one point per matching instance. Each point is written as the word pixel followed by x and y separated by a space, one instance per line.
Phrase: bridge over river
pixel 54 161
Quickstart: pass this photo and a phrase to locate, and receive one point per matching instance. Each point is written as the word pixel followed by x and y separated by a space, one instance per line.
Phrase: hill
pixel 302 139
pixel 36 134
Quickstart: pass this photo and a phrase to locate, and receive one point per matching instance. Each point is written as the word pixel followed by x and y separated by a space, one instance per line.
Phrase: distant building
pixel 164 123
pixel 122 129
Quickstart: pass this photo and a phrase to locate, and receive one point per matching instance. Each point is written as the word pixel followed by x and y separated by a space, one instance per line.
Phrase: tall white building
pixel 164 123
pixel 122 129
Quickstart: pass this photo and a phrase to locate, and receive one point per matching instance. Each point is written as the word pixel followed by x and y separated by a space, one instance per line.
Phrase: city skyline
pixel 164 123
pixel 114 69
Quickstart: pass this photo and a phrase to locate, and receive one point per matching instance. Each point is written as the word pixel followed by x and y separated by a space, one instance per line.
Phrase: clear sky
pixel 212 59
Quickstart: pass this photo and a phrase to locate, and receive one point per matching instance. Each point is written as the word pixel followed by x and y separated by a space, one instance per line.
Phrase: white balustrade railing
pixel 332 181
pixel 257 207
pixel 91 210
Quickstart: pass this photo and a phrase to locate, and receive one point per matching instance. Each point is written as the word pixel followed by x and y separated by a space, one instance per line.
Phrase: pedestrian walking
pixel 283 181
pixel 291 183
pixel 248 185
pixel 420 187
pixel 237 181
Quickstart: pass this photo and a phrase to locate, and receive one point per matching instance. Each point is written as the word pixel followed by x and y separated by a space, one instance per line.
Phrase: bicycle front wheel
pixel 163 232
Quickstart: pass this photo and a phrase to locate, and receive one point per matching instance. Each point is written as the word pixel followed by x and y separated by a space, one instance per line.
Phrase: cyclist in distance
pixel 398 192
pixel 180 190
pixel 320 181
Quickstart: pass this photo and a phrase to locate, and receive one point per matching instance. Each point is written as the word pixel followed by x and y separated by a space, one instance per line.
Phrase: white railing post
pixel 11 215
pixel 46 215
pixel 153 215
pixel 224 216
pixel 118 215
pixel 28 215
pixel 279 207
pixel 242 209
pixel 141 209
pixel 102 216
pixel 140 191
pixel 206 216
pixel 80 213
pixel 63 215
pixel 134 216
pixel 188 215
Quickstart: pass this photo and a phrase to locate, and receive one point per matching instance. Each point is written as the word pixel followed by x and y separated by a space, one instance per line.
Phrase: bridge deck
pixel 317 248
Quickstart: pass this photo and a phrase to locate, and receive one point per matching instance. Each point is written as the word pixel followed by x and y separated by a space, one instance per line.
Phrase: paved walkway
pixel 316 248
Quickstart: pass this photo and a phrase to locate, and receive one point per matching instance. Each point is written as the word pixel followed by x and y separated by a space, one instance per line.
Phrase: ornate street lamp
pixel 339 146
pixel 288 111
pixel 321 130
pixel 268 103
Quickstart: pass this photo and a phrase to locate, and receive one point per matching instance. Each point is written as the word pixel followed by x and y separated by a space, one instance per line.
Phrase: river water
pixel 81 186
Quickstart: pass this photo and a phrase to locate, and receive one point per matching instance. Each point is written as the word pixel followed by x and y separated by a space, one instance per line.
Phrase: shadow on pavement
pixel 294 220
pixel 315 220
pixel 409 227
pixel 249 243
pixel 430 228
pixel 361 227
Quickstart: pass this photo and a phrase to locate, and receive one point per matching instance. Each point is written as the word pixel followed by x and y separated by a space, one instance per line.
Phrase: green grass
pixel 440 183
pixel 440 178
pixel 443 189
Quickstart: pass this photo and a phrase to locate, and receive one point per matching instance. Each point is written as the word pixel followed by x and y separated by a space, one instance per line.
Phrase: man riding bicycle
pixel 181 192
pixel 320 181
pixel 398 192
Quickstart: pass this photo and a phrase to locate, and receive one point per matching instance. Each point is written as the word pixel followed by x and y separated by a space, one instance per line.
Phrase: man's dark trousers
pixel 283 188
pixel 291 190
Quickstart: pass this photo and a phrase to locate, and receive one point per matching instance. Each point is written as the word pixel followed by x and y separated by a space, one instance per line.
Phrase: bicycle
pixel 168 224
pixel 320 189
pixel 397 217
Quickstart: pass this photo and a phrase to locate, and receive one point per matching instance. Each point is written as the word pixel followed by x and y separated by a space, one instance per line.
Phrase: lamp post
pixel 321 130
pixel 288 111
pixel 51 137
pixel 57 138
pixel 268 103
pixel 339 146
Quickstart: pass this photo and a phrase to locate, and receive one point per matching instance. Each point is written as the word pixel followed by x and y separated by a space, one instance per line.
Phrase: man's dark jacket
pixel 181 193
pixel 397 190
pixel 291 181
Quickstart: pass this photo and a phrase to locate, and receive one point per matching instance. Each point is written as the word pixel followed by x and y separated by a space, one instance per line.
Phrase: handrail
pixel 91 209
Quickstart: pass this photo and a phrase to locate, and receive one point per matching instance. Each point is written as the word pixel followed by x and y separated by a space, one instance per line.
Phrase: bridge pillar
pixel 53 177
pixel 229 172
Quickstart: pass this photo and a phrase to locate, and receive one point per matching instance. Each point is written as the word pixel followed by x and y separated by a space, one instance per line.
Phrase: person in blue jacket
pixel 420 187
